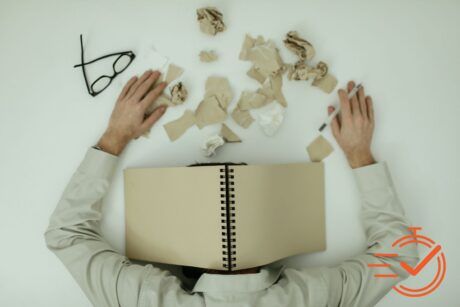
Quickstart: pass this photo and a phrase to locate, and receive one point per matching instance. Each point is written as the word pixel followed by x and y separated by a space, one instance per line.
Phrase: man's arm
pixel 73 234
pixel 353 283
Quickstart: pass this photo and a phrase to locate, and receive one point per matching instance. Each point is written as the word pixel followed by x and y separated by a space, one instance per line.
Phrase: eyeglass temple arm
pixel 106 56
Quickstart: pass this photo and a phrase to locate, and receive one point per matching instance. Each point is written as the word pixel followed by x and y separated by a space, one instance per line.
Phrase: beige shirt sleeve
pixel 352 283
pixel 74 236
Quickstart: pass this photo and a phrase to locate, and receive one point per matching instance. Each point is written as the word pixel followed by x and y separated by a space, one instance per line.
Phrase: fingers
pixel 138 83
pixel 362 102
pixel 153 95
pixel 370 109
pixel 152 118
pixel 350 86
pixel 355 109
pixel 144 88
pixel 127 87
pixel 335 126
pixel 345 107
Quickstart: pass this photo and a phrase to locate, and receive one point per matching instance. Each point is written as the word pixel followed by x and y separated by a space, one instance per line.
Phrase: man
pixel 109 279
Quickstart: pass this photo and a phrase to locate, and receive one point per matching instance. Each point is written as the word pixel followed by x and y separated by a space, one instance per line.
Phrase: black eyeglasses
pixel 122 62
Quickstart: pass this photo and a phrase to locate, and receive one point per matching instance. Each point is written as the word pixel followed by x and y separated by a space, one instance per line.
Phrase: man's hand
pixel 354 127
pixel 128 120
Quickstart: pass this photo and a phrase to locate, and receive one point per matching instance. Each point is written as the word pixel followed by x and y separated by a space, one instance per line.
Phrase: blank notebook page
pixel 279 212
pixel 173 215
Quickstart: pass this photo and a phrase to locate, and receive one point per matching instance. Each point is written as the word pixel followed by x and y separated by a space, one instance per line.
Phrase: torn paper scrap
pixel 263 54
pixel 209 112
pixel 326 83
pixel 220 88
pixel 319 149
pixel 301 71
pixel 162 100
pixel 242 118
pixel 210 20
pixel 249 43
pixel 178 93
pixel 272 89
pixel 211 144
pixel 251 100
pixel 177 127
pixel 208 56
pixel 228 135
pixel 299 46
pixel 173 73
pixel 323 80
pixel 271 119
pixel 255 74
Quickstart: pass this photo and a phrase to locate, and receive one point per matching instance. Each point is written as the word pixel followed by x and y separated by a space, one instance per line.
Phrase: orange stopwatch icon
pixel 434 252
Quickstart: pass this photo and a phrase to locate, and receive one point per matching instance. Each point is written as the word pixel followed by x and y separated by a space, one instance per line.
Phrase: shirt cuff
pixel 98 163
pixel 374 176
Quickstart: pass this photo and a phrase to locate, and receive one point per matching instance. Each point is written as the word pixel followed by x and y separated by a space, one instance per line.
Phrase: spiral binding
pixel 227 202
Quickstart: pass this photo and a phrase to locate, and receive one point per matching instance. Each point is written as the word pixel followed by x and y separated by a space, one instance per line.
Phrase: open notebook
pixel 225 217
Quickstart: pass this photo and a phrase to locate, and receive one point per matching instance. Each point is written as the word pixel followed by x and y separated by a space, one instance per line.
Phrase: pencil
pixel 337 109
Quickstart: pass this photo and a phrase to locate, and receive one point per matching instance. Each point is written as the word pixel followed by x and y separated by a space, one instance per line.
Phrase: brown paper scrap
pixel 319 149
pixel 209 112
pixel 255 74
pixel 220 88
pixel 251 100
pixel 173 73
pixel 177 127
pixel 301 71
pixel 228 135
pixel 208 56
pixel 242 118
pixel 263 54
pixel 299 46
pixel 272 89
pixel 210 20
pixel 178 93
pixel 326 83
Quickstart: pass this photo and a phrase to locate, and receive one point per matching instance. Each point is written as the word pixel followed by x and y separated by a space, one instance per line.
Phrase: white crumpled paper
pixel 211 144
pixel 271 119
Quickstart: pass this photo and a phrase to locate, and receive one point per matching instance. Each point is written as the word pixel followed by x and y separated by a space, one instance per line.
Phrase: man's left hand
pixel 128 120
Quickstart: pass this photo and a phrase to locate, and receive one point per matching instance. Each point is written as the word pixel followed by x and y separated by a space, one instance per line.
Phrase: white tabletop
pixel 406 53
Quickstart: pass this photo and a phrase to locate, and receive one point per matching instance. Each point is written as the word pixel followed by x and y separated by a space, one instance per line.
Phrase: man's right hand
pixel 354 126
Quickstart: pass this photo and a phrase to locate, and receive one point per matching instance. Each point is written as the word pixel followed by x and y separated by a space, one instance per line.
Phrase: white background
pixel 405 52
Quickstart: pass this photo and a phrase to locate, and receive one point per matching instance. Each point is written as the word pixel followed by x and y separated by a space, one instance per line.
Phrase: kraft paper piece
pixel 210 20
pixel 209 112
pixel 211 144
pixel 177 127
pixel 299 46
pixel 326 84
pixel 208 56
pixel 178 94
pixel 323 80
pixel 228 135
pixel 272 89
pixel 220 88
pixel 251 100
pixel 255 74
pixel 271 119
pixel 263 54
pixel 301 71
pixel 173 73
pixel 242 118
pixel 319 149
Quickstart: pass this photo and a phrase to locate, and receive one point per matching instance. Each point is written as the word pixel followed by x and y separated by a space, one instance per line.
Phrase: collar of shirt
pixel 238 283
